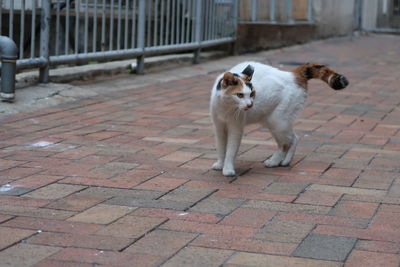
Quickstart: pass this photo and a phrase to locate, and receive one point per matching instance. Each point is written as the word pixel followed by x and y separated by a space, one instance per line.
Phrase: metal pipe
pixel 141 31
pixel 199 6
pixel 45 40
pixel 8 55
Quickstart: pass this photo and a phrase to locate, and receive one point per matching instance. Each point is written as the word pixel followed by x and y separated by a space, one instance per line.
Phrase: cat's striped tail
pixel 316 71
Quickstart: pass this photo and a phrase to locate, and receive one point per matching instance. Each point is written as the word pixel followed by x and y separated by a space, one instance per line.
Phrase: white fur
pixel 277 101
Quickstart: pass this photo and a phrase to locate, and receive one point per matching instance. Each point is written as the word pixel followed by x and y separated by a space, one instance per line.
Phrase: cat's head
pixel 238 87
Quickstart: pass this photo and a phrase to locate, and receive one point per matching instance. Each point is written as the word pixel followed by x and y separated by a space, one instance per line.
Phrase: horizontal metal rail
pixel 54 32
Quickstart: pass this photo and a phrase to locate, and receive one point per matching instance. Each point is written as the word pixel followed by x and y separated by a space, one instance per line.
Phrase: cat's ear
pixel 229 79
pixel 248 73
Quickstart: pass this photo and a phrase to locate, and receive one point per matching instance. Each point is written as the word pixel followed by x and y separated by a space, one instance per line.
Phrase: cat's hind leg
pixel 286 141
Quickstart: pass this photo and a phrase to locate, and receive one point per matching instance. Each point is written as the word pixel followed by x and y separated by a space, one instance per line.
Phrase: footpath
pixel 115 171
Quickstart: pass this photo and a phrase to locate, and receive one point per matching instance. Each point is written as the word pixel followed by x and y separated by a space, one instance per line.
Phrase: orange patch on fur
pixel 233 83
pixel 310 71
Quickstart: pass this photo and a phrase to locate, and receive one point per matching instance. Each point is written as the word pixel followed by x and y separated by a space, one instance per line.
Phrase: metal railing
pixel 378 16
pixel 54 32
pixel 276 11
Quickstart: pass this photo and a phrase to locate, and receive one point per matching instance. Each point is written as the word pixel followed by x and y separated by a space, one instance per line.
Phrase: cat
pixel 252 92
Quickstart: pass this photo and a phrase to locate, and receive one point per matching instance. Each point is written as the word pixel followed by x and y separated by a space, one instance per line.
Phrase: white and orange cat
pixel 252 92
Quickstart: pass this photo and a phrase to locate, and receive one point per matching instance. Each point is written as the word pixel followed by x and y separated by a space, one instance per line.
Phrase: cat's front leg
pixel 220 140
pixel 235 133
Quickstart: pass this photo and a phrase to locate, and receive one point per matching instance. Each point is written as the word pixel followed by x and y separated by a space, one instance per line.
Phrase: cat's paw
pixel 270 163
pixel 228 172
pixel 217 166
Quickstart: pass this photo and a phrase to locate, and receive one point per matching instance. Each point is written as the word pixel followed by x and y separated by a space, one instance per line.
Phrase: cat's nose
pixel 249 105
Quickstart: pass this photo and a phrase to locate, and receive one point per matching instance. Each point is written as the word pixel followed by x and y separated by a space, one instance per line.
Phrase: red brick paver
pixel 124 179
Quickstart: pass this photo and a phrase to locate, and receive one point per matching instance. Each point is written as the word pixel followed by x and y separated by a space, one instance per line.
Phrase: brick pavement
pixel 124 179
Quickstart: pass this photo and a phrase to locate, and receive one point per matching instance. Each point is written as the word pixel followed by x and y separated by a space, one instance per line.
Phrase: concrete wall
pixel 333 17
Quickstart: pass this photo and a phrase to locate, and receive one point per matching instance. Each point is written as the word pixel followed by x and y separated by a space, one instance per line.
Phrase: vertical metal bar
pixel 162 18
pixel 103 26
pixel 66 28
pixel 272 10
pixel 183 6
pixel 1 15
pixel 358 13
pixel 148 20
pixel 199 6
pixel 94 45
pixel 45 40
pixel 111 36
pixel 134 8
pixel 189 20
pixel 86 38
pixel 213 21
pixel 119 25
pixel 206 19
pixel 193 37
pixel 22 30
pixel 57 28
pixel 289 11
pixel 77 11
pixel 155 23
pixel 141 31
pixel 254 10
pixel 310 14
pixel 11 21
pixel 173 22
pixel 168 23
pixel 126 24
pixel 178 24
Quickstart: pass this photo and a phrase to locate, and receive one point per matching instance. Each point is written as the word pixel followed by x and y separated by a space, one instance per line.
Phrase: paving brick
pixel 319 198
pixel 10 236
pixel 26 254
pixel 75 203
pixel 284 231
pixel 244 244
pixel 55 191
pixel 181 156
pixel 170 241
pixel 81 241
pixel 287 207
pixel 101 214
pixel 285 188
pixel 51 263
pixel 217 205
pixel 324 219
pixel 10 190
pixel 108 192
pixel 369 259
pixel 248 217
pixel 159 203
pixel 211 229
pixel 197 257
pixel 378 246
pixel 177 215
pixel 35 212
pixel 368 234
pixel 23 201
pixel 162 184
pixel 131 226
pixel 52 225
pixel 363 210
pixel 347 190
pixel 188 194
pixel 104 258
pixel 36 181
pixel 263 260
pixel 325 247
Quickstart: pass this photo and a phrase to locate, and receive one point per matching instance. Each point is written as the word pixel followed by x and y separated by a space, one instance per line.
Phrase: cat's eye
pixel 240 95
pixel 253 94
